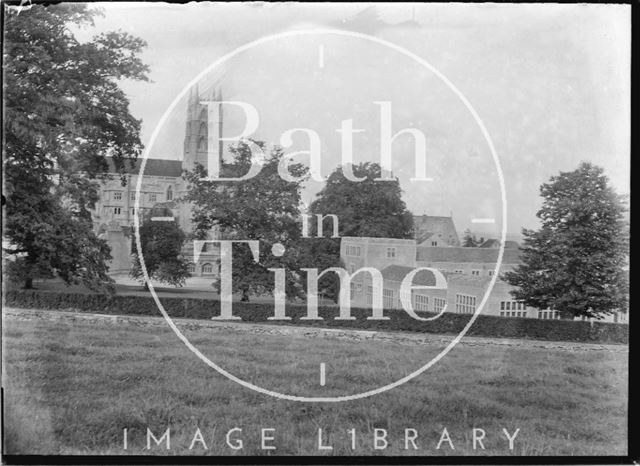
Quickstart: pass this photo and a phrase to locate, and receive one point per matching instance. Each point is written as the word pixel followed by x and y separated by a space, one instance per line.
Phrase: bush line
pixel 448 323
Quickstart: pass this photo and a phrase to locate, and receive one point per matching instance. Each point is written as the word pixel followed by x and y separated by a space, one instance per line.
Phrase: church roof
pixel 428 225
pixel 480 255
pixel 153 167
pixel 397 273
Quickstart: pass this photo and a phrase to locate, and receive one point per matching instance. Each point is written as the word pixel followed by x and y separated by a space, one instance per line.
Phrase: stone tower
pixel 203 128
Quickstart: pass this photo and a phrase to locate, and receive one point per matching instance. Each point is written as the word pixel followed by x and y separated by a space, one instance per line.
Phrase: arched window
pixel 192 268
pixel 207 268
pixel 202 143
pixel 169 194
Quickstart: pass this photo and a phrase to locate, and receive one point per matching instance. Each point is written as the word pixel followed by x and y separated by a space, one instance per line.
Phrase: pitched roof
pixel 487 255
pixel 494 243
pixel 153 167
pixel 425 225
pixel 397 273
pixel 490 243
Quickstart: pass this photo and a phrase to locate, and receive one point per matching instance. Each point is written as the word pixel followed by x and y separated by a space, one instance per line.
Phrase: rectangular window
pixel 508 305
pixel 353 250
pixel 117 196
pixel 116 210
pixel 501 313
pixel 491 273
pixel 475 272
pixel 153 197
pixel 439 304
pixel 391 253
pixel 434 243
pixel 465 304
pixel 421 302
pixel 387 298
pixel 502 305
pixel 133 196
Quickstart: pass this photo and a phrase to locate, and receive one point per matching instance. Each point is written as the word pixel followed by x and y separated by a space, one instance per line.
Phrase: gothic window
pixel 169 194
pixel 192 268
pixel 207 268
pixel 202 143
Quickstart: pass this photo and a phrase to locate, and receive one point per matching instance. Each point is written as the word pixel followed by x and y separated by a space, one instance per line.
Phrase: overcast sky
pixel 550 82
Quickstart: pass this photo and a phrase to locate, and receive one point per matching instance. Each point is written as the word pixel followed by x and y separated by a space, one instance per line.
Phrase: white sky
pixel 550 82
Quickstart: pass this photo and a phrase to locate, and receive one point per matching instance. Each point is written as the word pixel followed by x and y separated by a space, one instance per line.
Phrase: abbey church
pixel 162 184
pixel 436 243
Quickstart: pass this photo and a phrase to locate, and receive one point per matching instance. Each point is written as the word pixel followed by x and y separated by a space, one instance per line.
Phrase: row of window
pixel 206 268
pixel 512 306
pixel 513 313
pixel 132 210
pixel 153 197
pixel 353 250
pixel 474 272
pixel 465 304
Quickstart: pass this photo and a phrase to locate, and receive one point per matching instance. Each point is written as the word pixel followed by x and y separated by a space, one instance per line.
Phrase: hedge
pixel 448 323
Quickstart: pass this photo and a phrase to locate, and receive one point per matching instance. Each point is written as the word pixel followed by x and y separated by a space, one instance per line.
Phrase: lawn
pixel 73 388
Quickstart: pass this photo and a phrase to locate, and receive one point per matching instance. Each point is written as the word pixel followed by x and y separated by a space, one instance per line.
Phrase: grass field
pixel 72 389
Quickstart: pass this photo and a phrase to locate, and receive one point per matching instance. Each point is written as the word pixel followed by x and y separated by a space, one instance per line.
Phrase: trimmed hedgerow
pixel 448 323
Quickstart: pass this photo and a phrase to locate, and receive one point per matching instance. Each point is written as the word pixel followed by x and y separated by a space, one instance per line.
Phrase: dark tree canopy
pixel 575 263
pixel 367 209
pixel 162 243
pixel 64 112
pixel 470 241
pixel 264 208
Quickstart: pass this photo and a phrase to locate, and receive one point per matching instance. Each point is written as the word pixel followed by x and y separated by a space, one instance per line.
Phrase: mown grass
pixel 73 389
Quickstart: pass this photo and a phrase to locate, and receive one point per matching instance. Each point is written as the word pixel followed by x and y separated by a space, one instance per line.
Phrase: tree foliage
pixel 469 240
pixel 367 208
pixel 64 112
pixel 162 243
pixel 575 263
pixel 265 208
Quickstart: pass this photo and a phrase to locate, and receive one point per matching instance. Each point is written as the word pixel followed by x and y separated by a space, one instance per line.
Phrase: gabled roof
pixel 425 225
pixel 494 243
pixel 397 273
pixel 480 255
pixel 153 167
pixel 490 243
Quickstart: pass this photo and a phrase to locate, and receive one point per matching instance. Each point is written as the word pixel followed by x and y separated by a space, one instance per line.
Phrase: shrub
pixel 448 323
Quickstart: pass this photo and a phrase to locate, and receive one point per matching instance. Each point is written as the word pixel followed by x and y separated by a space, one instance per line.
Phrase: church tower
pixel 203 129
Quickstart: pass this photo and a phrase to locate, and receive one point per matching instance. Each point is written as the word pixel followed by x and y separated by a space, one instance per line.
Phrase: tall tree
pixel 575 263
pixel 263 208
pixel 64 113
pixel 469 240
pixel 365 208
pixel 162 243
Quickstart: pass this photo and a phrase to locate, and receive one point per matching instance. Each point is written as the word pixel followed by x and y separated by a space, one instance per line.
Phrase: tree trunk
pixel 28 283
